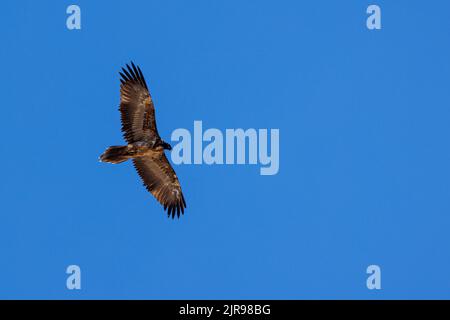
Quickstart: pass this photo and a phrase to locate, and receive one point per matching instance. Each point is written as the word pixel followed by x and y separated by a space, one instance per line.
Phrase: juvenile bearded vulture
pixel 145 146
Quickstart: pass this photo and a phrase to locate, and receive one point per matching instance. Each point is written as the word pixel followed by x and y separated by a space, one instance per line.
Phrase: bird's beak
pixel 166 146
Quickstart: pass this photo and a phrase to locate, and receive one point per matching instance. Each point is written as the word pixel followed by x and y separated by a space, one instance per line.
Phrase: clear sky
pixel 364 173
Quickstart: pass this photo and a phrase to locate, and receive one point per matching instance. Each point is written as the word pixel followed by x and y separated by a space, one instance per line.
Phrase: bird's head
pixel 167 146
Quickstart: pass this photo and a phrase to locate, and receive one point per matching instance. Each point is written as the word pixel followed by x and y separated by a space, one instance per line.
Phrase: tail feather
pixel 115 154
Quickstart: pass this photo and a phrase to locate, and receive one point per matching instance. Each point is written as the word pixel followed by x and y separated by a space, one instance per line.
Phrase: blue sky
pixel 364 159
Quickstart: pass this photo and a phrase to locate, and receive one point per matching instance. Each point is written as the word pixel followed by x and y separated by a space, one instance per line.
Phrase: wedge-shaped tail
pixel 116 154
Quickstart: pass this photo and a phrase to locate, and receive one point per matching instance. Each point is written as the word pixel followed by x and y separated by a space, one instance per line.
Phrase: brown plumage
pixel 145 147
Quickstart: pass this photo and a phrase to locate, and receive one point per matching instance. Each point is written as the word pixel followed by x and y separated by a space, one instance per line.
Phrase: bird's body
pixel 145 147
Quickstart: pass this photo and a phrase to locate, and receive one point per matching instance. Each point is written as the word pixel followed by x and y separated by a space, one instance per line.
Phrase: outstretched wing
pixel 136 106
pixel 160 180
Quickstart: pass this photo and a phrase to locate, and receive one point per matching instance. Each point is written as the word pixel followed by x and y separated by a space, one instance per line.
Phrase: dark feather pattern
pixel 139 125
pixel 160 180
pixel 136 106
pixel 139 130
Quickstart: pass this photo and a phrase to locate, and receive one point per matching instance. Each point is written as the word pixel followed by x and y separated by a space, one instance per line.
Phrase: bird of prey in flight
pixel 145 147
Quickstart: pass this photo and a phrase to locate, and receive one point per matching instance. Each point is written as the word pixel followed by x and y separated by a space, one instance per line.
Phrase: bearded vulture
pixel 145 147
